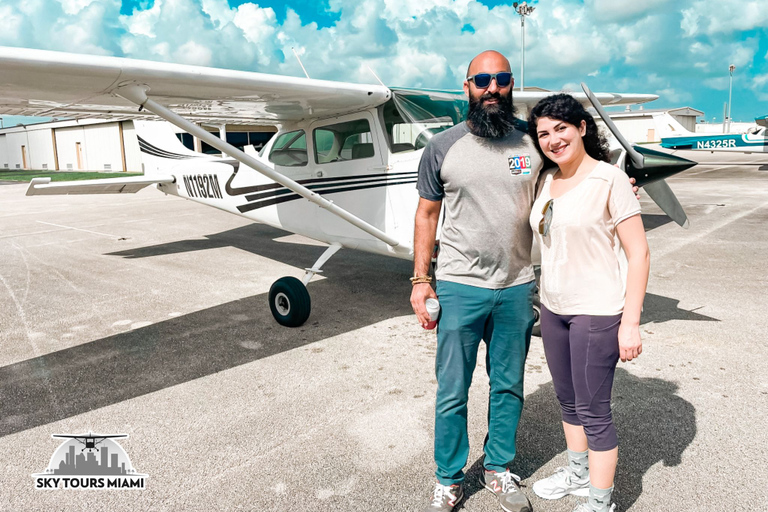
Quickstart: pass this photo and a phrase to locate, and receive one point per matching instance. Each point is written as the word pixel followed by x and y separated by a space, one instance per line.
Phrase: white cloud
pixel 74 6
pixel 760 86
pixel 623 10
pixel 718 83
pixel 675 96
pixel 618 45
pixel 725 16
pixel 192 52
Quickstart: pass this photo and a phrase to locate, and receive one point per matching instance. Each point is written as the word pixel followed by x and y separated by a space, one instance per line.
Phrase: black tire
pixel 536 315
pixel 289 302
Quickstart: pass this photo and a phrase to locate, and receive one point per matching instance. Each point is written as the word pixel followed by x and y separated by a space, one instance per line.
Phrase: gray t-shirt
pixel 487 188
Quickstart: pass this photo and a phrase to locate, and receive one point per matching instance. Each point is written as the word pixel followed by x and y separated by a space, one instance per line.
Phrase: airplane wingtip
pixel 36 181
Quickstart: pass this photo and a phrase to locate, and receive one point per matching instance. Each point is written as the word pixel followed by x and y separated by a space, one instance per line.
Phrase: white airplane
pixel 675 136
pixel 341 169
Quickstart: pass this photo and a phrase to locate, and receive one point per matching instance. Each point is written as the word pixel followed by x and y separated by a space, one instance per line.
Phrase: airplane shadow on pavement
pixel 364 289
pixel 654 425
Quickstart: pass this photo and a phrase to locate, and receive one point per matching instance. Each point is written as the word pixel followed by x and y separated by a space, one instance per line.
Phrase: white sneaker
pixel 563 482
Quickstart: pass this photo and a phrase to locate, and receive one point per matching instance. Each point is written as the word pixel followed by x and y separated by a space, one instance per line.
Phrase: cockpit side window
pixel 290 149
pixel 412 116
pixel 340 142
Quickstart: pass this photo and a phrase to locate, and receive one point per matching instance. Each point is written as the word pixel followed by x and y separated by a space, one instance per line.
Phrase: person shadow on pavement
pixel 653 422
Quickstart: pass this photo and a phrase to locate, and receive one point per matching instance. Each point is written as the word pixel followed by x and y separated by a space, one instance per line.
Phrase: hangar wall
pixel 92 145
pixel 71 145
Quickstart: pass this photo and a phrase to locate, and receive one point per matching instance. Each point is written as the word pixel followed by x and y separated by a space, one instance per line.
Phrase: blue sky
pixel 678 49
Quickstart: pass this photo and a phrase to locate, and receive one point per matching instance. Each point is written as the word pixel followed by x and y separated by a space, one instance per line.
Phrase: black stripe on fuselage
pixel 332 182
pixel 292 196
pixel 238 191
pixel 148 148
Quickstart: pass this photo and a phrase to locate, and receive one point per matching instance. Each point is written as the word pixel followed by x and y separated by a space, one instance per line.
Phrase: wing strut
pixel 138 95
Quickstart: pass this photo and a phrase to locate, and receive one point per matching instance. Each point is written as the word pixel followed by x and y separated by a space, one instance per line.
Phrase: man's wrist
pixel 421 279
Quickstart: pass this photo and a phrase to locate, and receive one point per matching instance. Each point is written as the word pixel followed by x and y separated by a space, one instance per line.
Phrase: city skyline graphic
pixel 92 455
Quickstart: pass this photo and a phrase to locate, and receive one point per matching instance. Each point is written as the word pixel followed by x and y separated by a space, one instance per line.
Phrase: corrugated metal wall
pixel 68 142
pixel 132 151
pixel 41 149
pixel 102 147
pixel 5 163
pixel 14 143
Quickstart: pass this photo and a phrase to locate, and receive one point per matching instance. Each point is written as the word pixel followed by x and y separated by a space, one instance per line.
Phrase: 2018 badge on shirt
pixel 519 165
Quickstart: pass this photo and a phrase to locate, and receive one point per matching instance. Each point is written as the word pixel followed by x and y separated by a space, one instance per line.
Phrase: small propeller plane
pixel 90 440
pixel 341 168
pixel 675 136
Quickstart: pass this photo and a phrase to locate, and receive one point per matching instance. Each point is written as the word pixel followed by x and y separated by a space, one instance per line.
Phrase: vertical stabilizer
pixel 160 148
pixel 668 126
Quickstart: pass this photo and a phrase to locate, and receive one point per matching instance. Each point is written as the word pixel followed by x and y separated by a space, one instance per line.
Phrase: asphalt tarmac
pixel 148 315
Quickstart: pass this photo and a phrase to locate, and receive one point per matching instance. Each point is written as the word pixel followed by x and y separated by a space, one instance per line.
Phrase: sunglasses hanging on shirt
pixel 546 221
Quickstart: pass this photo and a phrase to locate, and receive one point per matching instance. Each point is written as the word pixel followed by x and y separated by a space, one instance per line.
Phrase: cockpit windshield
pixel 413 116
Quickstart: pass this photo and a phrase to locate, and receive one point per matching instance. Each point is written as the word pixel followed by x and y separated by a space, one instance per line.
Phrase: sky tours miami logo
pixel 90 461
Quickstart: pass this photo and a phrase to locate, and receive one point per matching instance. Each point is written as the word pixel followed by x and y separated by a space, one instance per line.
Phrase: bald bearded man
pixel 483 171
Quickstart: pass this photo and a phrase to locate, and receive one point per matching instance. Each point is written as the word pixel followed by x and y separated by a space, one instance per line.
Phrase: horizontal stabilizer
pixel 128 185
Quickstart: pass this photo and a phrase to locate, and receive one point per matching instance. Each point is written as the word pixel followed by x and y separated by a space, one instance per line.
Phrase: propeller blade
pixel 637 158
pixel 663 196
pixel 648 167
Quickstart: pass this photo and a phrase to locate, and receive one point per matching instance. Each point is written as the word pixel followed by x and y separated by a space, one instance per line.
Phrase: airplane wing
pixel 73 86
pixel 56 84
pixel 526 100
pixel 129 185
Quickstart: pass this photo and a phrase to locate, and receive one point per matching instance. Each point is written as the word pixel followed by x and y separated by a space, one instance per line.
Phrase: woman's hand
pixel 630 344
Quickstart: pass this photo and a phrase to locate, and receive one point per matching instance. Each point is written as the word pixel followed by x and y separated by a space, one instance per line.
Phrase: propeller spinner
pixel 649 167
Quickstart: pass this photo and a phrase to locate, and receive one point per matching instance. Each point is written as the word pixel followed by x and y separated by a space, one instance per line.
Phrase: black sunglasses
pixel 483 80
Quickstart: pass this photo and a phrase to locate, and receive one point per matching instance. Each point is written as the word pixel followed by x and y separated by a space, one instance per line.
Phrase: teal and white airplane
pixel 675 136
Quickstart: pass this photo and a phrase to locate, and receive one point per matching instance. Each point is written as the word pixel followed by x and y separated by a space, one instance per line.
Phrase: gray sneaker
pixel 506 487
pixel 584 507
pixel 562 483
pixel 445 497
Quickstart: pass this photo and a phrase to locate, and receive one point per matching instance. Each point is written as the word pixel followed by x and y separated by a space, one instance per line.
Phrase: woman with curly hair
pixel 594 272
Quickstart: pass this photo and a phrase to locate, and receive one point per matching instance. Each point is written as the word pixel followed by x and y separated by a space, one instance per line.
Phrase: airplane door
pixel 348 168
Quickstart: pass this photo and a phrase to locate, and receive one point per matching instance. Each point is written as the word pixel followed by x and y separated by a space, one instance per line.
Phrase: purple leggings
pixel 582 352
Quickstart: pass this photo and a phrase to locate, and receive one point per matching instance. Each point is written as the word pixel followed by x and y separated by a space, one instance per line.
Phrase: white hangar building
pixel 638 126
pixel 98 145
pixel 71 145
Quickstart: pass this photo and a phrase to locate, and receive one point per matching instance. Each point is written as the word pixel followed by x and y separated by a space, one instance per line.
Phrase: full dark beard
pixel 492 121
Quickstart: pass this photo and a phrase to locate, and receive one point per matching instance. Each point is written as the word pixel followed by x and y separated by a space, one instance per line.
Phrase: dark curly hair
pixel 564 107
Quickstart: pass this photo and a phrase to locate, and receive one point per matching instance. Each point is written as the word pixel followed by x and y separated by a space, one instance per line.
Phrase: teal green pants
pixel 503 319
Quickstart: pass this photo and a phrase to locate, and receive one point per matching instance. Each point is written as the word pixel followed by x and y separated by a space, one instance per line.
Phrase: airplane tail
pixel 668 126
pixel 160 147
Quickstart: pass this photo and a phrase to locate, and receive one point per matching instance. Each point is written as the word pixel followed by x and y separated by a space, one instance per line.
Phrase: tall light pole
pixel 523 9
pixel 731 69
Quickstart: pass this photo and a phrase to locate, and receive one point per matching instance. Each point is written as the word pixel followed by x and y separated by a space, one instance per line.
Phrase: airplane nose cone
pixel 657 166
